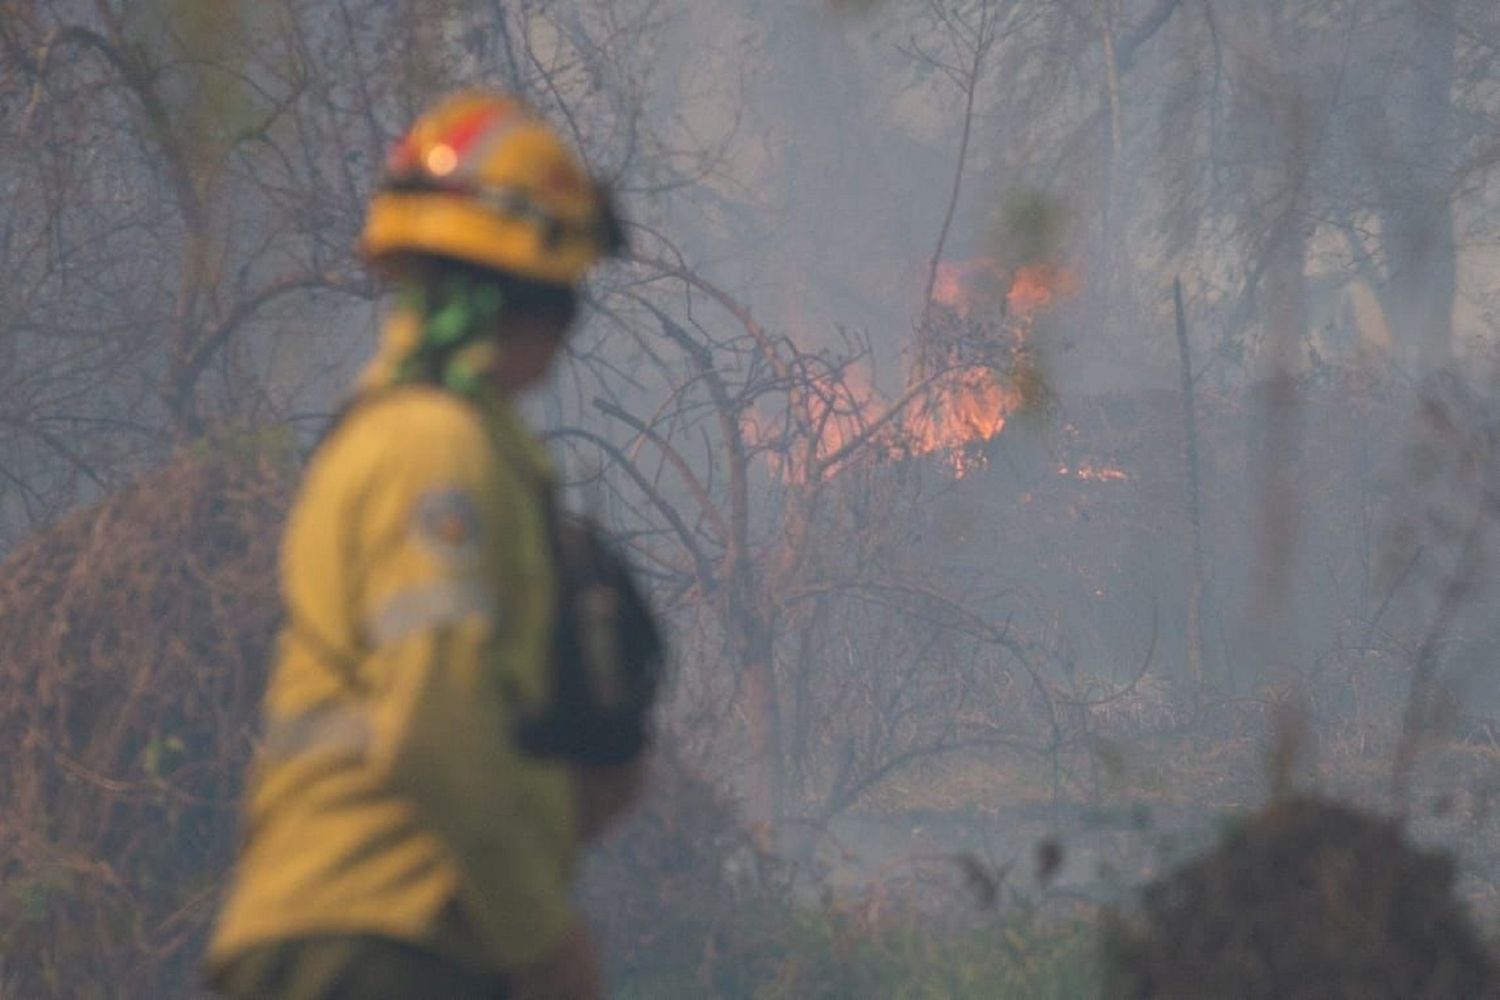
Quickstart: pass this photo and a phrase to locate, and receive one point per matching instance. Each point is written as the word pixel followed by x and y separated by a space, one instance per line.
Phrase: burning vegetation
pixel 967 376
pixel 974 360
pixel 961 411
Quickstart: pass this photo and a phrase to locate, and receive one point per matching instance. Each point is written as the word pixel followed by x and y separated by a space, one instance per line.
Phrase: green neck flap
pixel 459 314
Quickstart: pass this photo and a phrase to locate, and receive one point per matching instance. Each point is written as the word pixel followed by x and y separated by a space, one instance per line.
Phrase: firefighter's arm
pixel 434 613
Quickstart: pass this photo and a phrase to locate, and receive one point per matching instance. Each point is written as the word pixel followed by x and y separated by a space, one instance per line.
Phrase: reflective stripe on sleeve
pixel 341 731
pixel 446 602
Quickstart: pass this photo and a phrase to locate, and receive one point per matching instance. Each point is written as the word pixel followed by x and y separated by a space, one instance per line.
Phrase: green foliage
pixel 162 755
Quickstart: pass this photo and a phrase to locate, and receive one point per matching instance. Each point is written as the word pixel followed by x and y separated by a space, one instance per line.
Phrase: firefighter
pixel 401 839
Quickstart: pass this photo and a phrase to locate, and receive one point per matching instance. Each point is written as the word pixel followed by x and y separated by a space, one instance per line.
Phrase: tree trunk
pixel 1417 214
pixel 1195 502
pixel 763 722
pixel 1286 314
pixel 1285 297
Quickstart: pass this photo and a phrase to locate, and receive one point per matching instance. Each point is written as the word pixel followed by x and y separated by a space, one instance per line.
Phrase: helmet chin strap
pixel 459 314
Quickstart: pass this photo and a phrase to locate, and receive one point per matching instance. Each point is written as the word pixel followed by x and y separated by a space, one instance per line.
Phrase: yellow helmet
pixel 480 179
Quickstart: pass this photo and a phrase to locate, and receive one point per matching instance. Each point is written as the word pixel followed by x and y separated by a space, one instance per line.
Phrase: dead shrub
pixel 134 637
pixel 1307 899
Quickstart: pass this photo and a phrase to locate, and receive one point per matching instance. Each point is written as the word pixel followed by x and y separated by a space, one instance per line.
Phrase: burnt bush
pixel 1307 899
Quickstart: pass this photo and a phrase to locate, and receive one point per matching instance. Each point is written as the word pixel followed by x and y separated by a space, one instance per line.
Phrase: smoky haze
pixel 971 535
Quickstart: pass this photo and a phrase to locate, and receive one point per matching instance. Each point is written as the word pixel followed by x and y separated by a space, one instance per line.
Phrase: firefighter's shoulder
pixel 412 428
pixel 390 454
pixel 417 415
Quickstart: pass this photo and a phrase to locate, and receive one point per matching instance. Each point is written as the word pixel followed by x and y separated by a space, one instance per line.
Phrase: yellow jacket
pixel 388 797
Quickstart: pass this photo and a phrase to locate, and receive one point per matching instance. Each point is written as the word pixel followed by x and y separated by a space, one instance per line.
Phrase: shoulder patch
pixel 447 524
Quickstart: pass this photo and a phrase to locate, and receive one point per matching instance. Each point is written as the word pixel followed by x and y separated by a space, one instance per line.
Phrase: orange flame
pixel 834 409
pixel 967 286
pixel 962 411
pixel 955 415
pixel 840 408
pixel 1037 286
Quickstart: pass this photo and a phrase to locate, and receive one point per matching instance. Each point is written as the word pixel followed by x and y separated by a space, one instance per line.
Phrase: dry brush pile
pixel 1306 900
pixel 133 642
